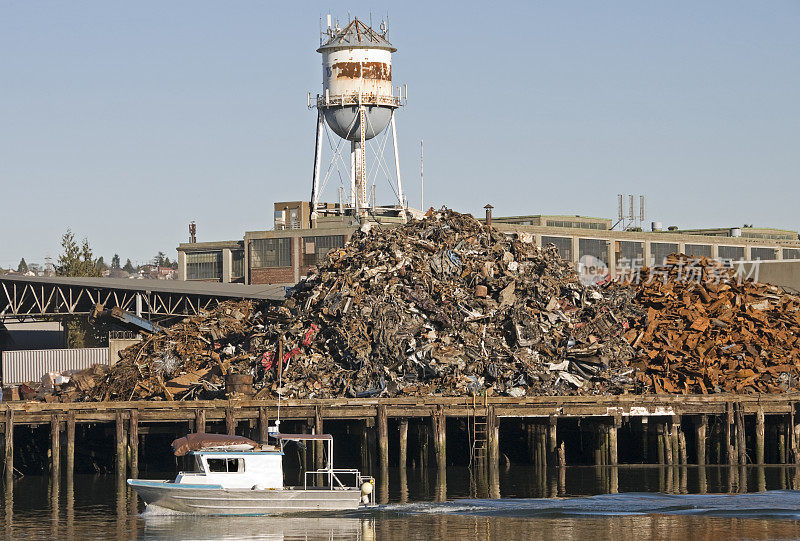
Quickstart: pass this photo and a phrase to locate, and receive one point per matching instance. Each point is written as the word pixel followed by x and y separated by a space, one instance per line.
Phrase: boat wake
pixel 773 504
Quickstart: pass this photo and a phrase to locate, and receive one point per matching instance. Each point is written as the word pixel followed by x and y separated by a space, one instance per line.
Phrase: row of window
pixel 208 265
pixel 577 225
pixel 204 265
pixel 659 251
pixel 776 236
pixel 277 252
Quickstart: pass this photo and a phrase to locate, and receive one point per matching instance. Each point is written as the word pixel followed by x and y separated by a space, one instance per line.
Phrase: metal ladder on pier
pixel 478 431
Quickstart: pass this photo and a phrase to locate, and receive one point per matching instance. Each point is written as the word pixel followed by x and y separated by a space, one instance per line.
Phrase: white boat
pixel 236 476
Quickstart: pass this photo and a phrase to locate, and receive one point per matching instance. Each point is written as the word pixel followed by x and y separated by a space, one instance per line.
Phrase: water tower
pixel 357 104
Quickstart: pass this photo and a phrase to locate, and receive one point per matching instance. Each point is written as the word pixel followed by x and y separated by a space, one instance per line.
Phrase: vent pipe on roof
pixel 736 232
pixel 488 208
pixel 656 226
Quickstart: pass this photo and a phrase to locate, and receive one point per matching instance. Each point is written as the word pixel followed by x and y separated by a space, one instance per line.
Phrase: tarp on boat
pixel 200 441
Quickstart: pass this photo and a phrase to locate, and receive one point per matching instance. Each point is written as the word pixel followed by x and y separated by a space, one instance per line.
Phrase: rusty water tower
pixel 358 103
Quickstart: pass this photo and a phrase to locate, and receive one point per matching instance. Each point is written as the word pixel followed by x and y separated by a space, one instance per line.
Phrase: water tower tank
pixel 357 69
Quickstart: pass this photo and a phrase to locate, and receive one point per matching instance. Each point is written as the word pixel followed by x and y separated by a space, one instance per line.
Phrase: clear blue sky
pixel 126 120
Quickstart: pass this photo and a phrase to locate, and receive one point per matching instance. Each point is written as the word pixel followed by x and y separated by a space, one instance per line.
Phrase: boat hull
pixel 215 500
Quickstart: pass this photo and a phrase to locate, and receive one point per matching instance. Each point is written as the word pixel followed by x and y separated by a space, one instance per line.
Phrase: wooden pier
pixel 438 431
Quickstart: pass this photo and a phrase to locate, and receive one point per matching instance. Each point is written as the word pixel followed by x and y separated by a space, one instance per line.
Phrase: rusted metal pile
pixel 442 306
pixel 447 306
pixel 706 331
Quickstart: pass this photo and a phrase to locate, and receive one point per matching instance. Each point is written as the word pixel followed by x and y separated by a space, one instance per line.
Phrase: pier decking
pixel 479 431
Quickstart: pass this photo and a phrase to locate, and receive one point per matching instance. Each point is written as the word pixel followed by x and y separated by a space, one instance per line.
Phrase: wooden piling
pixel 682 451
pixel 781 442
pixel 383 439
pixel 263 425
pixel 701 429
pixel 121 446
pixel 422 439
pixel 729 434
pixel 660 447
pixel 674 438
pixel 200 420
pixel 133 438
pixel 760 436
pixel 493 436
pixel 403 458
pixel 55 446
pixel 439 426
pixel 366 462
pixel 669 456
pixel 562 456
pixel 795 434
pixel 552 440
pixel 740 434
pixel 613 450
pixel 70 444
pixel 599 444
pixel 9 437
pixel 319 446
pixel 230 421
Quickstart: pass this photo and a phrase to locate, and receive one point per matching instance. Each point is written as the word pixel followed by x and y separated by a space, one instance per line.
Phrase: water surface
pixel 628 503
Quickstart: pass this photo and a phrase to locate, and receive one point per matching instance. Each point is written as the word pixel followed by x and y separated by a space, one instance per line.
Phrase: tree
pixel 22 267
pixel 100 264
pixel 115 261
pixel 76 260
pixel 167 262
pixel 128 266
pixel 158 260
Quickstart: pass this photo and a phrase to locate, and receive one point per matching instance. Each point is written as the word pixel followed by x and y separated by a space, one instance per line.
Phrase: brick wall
pixel 272 275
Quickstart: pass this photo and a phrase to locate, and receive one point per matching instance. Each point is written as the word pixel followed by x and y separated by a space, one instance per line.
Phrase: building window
pixel 316 248
pixel 660 250
pixel 734 253
pixel 204 265
pixel 630 252
pixel 237 267
pixel 763 254
pixel 791 253
pixel 271 252
pixel 563 244
pixel 698 250
pixel 593 247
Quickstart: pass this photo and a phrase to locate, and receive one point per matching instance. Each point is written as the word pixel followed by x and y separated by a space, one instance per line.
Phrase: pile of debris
pixel 707 330
pixel 440 306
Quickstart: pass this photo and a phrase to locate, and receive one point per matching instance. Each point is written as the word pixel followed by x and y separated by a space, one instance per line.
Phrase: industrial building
pixel 285 254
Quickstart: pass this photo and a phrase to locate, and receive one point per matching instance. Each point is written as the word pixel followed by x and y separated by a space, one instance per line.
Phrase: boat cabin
pixel 235 469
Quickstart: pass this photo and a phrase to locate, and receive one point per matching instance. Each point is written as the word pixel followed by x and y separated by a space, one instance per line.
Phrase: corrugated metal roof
pixel 357 35
pixel 235 291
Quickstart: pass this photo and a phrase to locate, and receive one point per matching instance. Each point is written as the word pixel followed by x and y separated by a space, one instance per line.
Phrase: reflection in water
pixel 458 503
pixel 266 528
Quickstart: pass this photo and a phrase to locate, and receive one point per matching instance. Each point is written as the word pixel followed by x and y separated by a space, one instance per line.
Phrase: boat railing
pixel 334 480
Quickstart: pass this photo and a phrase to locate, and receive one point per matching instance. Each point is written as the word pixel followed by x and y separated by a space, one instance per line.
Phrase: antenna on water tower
pixel 421 175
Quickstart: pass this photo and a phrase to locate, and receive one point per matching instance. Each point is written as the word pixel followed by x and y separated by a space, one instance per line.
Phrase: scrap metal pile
pixel 447 306
pixel 708 331
pixel 441 306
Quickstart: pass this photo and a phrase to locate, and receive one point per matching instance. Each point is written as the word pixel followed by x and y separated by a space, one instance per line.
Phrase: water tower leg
pixel 361 172
pixel 317 160
pixel 397 170
pixel 353 147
